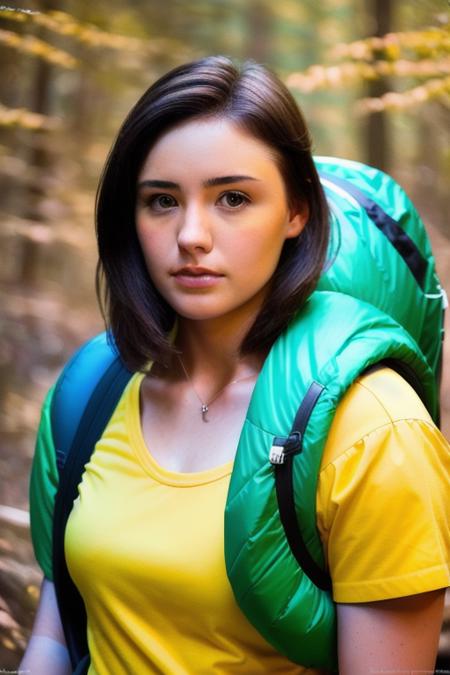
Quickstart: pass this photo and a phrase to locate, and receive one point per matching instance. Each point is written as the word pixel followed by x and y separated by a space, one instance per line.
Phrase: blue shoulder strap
pixel 85 397
pixel 75 387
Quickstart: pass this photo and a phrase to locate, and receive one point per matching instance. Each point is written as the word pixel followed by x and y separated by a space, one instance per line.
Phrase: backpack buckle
pixel 276 454
pixel 283 446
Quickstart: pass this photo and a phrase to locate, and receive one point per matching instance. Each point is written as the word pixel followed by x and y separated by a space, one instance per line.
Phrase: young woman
pixel 213 231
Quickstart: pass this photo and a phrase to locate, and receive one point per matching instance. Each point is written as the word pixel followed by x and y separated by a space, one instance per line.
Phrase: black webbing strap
pixel 390 228
pixel 284 485
pixel 97 413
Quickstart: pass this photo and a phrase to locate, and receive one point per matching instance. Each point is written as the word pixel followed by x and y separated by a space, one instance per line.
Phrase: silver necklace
pixel 205 406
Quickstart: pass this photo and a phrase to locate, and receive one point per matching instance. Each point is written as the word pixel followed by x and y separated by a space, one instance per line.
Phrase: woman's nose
pixel 194 231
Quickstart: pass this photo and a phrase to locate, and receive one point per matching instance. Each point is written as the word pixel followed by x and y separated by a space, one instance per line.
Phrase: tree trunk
pixel 259 17
pixel 39 157
pixel 377 136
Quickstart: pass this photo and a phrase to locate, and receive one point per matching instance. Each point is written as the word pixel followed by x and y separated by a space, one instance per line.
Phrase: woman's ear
pixel 298 217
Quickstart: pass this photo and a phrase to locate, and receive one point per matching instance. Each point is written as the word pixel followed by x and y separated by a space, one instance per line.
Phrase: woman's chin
pixel 199 314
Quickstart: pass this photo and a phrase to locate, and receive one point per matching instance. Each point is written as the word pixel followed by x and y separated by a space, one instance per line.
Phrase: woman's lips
pixel 197 277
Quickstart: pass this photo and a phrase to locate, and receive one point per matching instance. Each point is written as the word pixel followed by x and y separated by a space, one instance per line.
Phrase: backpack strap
pixel 72 456
pixel 399 239
pixel 281 456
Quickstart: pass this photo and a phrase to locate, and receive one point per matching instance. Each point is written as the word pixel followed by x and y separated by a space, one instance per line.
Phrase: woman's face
pixel 212 215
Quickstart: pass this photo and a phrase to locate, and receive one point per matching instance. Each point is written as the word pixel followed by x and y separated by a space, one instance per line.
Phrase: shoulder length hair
pixel 253 98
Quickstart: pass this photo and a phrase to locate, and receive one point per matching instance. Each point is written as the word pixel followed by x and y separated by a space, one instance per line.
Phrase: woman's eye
pixel 161 202
pixel 233 199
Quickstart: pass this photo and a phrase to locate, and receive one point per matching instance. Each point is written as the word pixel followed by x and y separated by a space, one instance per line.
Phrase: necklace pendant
pixel 204 411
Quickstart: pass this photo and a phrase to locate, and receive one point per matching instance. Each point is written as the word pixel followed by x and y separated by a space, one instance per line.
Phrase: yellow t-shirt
pixel 145 545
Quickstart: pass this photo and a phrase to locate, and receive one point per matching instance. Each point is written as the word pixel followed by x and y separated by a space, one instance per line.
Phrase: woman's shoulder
pixel 378 399
pixel 382 495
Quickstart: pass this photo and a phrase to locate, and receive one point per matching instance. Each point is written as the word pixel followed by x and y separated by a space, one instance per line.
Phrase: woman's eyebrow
pixel 210 182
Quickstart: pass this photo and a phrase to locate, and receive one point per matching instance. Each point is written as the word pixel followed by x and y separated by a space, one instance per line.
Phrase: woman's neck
pixel 210 351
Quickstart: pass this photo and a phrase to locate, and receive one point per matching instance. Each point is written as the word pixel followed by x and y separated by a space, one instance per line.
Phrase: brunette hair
pixel 253 98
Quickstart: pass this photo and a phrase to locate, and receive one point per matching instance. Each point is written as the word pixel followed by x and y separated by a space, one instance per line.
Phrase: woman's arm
pixel 390 636
pixel 47 653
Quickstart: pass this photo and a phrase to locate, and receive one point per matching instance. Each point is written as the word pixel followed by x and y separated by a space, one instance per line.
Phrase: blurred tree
pixel 259 21
pixel 418 59
pixel 376 137
pixel 40 158
pixel 415 54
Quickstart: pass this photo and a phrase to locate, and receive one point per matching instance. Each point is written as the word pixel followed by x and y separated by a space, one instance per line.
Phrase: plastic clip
pixel 283 446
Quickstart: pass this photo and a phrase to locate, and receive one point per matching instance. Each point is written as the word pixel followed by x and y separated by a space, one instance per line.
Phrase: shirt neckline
pixel 151 466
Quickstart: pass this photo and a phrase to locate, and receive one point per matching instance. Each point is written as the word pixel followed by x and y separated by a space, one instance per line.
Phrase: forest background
pixel 373 79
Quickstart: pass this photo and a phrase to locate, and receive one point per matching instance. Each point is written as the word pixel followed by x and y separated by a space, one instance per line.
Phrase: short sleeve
pixel 382 503
pixel 43 487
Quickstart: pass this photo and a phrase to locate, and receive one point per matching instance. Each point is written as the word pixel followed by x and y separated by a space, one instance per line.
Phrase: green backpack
pixel 381 295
